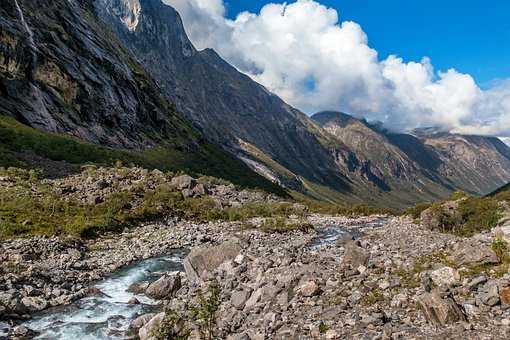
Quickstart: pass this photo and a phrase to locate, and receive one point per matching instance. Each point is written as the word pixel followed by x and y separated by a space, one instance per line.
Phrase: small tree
pixel 204 314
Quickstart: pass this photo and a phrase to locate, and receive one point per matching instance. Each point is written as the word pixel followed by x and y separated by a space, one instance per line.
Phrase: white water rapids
pixel 107 316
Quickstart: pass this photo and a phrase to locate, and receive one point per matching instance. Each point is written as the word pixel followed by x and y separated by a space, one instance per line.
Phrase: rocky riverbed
pixel 396 280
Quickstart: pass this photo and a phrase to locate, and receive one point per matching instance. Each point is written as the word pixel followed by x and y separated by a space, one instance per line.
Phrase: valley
pixel 151 190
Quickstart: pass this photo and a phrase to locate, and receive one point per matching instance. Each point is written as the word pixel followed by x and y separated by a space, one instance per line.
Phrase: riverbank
pixel 393 282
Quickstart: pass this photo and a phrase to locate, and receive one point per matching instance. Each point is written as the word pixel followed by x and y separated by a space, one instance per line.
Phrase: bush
pixel 465 217
pixel 415 212
pixel 500 247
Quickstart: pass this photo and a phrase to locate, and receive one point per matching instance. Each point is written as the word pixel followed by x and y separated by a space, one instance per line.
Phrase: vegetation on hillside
pixel 467 216
pixel 205 159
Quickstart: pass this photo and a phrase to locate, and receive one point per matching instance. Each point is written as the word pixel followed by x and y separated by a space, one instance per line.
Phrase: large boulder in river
pixel 165 287
pixel 204 260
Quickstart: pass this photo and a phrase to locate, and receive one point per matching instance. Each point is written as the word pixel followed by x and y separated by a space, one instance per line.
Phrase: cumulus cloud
pixel 306 55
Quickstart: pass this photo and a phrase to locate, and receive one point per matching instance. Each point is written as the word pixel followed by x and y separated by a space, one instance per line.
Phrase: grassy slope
pixel 206 159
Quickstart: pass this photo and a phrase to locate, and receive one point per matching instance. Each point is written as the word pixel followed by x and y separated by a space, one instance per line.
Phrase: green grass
pixel 205 159
pixel 30 207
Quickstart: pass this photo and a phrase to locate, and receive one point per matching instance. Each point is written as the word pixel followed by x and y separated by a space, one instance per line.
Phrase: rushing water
pixel 107 316
pixel 330 235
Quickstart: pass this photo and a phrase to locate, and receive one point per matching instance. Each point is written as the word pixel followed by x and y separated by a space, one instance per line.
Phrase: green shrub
pixel 282 225
pixel 415 212
pixel 500 247
pixel 204 313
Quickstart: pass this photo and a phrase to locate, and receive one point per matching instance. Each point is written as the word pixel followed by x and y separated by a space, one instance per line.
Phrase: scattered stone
pixel 473 253
pixel 239 298
pixel 309 289
pixel 438 310
pixel 489 293
pixel 504 295
pixel 354 256
pixel 445 276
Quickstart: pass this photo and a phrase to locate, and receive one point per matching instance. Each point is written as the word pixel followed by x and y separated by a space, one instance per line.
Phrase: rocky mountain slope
pixel 425 160
pixel 225 104
pixel 63 71
pixel 280 142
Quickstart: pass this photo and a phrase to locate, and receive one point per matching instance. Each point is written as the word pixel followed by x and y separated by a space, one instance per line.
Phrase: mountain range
pixel 123 74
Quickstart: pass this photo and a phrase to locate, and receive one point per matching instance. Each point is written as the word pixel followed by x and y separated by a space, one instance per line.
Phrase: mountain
pixel 64 72
pixel 226 105
pixel 359 163
pixel 426 159
pixel 122 76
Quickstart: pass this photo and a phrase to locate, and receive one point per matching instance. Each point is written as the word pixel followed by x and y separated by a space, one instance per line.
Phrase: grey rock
pixel 147 330
pixel 165 287
pixel 239 298
pixel 354 256
pixel 489 293
pixel 439 310
pixel 34 304
pixel 183 182
pixel 472 253
pixel 204 260
pixel 140 321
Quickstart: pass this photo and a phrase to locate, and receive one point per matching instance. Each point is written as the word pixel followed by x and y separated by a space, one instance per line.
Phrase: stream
pixel 109 316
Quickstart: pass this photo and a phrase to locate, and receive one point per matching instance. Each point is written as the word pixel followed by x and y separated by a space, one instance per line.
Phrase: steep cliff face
pixel 226 105
pixel 63 71
pixel 432 161
pixel 474 163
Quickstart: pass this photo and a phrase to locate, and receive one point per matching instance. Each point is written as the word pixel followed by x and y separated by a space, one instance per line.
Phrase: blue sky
pixel 473 36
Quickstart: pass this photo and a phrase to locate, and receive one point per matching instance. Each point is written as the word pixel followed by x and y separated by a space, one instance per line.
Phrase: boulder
pixel 254 299
pixel 138 287
pixel 445 276
pixel 504 295
pixel 309 289
pixel 488 294
pixel 432 218
pixel 141 321
pixel 239 298
pixel 183 182
pixel 165 287
pixel 439 310
pixel 34 304
pixel 471 252
pixel 148 329
pixel 204 260
pixel 503 232
pixel 354 256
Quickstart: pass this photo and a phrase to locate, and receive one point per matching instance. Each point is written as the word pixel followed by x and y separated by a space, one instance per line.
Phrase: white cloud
pixel 303 53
